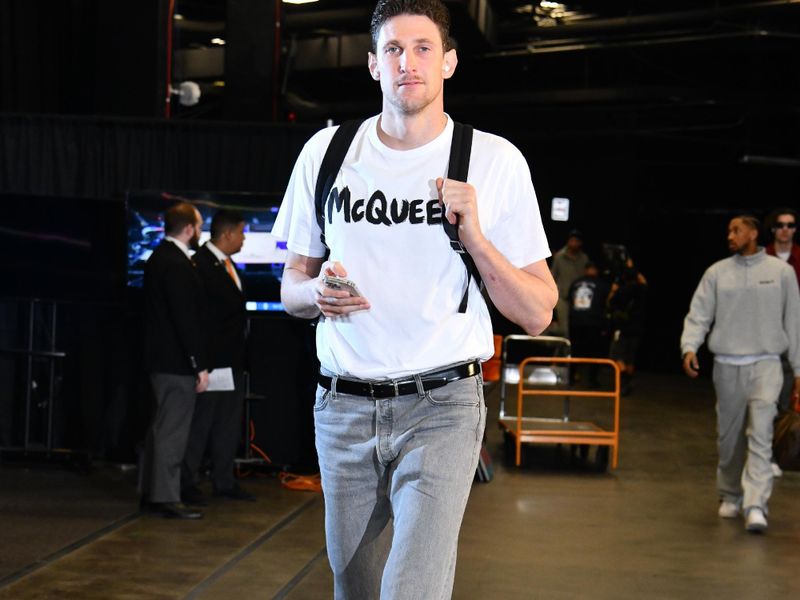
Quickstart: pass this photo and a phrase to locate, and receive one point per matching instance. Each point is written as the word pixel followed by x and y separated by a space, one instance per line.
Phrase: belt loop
pixel 334 379
pixel 420 387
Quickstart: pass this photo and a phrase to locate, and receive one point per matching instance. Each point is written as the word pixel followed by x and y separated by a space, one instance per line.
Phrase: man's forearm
pixel 297 294
pixel 525 296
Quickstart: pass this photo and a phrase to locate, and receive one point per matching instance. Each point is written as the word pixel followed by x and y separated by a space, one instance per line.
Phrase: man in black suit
pixel 175 358
pixel 217 421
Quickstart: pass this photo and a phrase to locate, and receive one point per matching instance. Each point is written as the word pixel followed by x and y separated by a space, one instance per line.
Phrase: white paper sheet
pixel 221 380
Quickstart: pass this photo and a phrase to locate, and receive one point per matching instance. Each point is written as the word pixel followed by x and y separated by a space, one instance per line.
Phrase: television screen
pixel 62 248
pixel 260 260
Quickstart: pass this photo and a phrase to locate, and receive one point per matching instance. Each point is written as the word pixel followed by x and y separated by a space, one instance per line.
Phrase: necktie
pixel 229 268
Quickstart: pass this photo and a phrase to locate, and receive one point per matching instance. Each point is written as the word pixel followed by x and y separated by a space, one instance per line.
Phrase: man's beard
pixel 410 106
pixel 194 243
pixel 409 109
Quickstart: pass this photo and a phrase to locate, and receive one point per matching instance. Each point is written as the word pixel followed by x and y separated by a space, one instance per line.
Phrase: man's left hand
pixel 461 202
pixel 201 382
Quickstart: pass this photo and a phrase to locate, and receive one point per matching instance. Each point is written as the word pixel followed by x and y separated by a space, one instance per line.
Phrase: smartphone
pixel 340 283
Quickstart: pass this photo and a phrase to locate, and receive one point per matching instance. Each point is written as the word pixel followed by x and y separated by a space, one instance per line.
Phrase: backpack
pixel 458 167
pixel 786 441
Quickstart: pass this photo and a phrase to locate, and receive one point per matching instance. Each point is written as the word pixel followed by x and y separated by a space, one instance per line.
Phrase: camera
pixel 616 257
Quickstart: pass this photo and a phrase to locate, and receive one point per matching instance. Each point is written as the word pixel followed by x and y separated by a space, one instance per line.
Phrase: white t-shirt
pixel 386 231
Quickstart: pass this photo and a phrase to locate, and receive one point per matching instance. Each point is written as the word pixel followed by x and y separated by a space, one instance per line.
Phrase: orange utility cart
pixel 544 375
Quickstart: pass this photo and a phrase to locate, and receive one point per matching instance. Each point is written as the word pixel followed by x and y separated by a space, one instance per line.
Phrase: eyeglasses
pixel 782 225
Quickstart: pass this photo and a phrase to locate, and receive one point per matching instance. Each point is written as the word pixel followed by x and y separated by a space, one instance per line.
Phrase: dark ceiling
pixel 678 67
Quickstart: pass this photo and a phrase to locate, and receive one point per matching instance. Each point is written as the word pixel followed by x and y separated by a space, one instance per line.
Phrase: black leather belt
pixel 401 387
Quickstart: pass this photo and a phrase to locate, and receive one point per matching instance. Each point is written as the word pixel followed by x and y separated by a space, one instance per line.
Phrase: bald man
pixel 751 304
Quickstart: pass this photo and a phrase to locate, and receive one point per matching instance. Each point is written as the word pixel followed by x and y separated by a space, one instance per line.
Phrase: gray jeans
pixel 747 398
pixel 409 461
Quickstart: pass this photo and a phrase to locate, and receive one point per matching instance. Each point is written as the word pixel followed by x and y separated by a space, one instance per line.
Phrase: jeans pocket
pixel 322 398
pixel 464 392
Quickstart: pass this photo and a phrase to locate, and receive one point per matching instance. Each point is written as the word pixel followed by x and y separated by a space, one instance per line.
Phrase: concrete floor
pixel 552 529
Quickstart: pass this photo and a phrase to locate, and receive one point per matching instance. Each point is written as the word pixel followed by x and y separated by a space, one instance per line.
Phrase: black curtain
pixel 45 48
pixel 83 56
pixel 104 157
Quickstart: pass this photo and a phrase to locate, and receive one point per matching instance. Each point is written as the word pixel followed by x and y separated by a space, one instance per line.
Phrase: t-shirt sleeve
pixel 296 222
pixel 515 228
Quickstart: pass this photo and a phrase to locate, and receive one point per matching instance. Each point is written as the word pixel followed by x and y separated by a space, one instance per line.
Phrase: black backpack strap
pixel 458 168
pixel 331 163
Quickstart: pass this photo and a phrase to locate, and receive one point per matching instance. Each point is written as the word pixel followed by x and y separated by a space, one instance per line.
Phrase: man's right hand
pixel 202 381
pixel 336 303
pixel 690 365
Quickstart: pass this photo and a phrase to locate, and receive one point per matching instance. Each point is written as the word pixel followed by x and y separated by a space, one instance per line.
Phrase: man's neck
pixel 406 132
pixel 180 243
pixel 783 246
pixel 219 246
pixel 748 250
pixel 183 239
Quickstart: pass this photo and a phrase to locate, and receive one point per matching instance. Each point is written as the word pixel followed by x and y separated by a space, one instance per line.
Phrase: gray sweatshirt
pixel 566 269
pixel 753 303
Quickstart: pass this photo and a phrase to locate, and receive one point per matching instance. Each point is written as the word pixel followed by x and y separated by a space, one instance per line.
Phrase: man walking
pixel 399 415
pixel 752 301
pixel 782 223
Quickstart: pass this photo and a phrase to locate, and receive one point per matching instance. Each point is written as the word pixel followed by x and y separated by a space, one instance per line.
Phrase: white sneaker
pixel 756 521
pixel 776 470
pixel 728 510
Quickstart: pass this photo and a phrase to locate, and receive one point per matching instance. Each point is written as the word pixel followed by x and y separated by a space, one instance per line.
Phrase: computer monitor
pixel 260 261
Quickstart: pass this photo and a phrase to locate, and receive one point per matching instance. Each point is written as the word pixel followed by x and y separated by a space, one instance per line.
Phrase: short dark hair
pixel 223 220
pixel 435 10
pixel 749 220
pixel 178 216
pixel 772 217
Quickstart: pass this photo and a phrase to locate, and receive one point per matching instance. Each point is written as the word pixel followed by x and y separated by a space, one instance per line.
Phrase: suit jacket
pixel 173 307
pixel 226 317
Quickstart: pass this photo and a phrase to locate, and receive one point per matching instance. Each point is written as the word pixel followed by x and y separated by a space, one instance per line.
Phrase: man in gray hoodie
pixel 753 303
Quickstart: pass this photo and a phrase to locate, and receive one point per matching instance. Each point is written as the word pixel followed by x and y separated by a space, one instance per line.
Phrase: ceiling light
pixel 298 1
pixel 218 41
